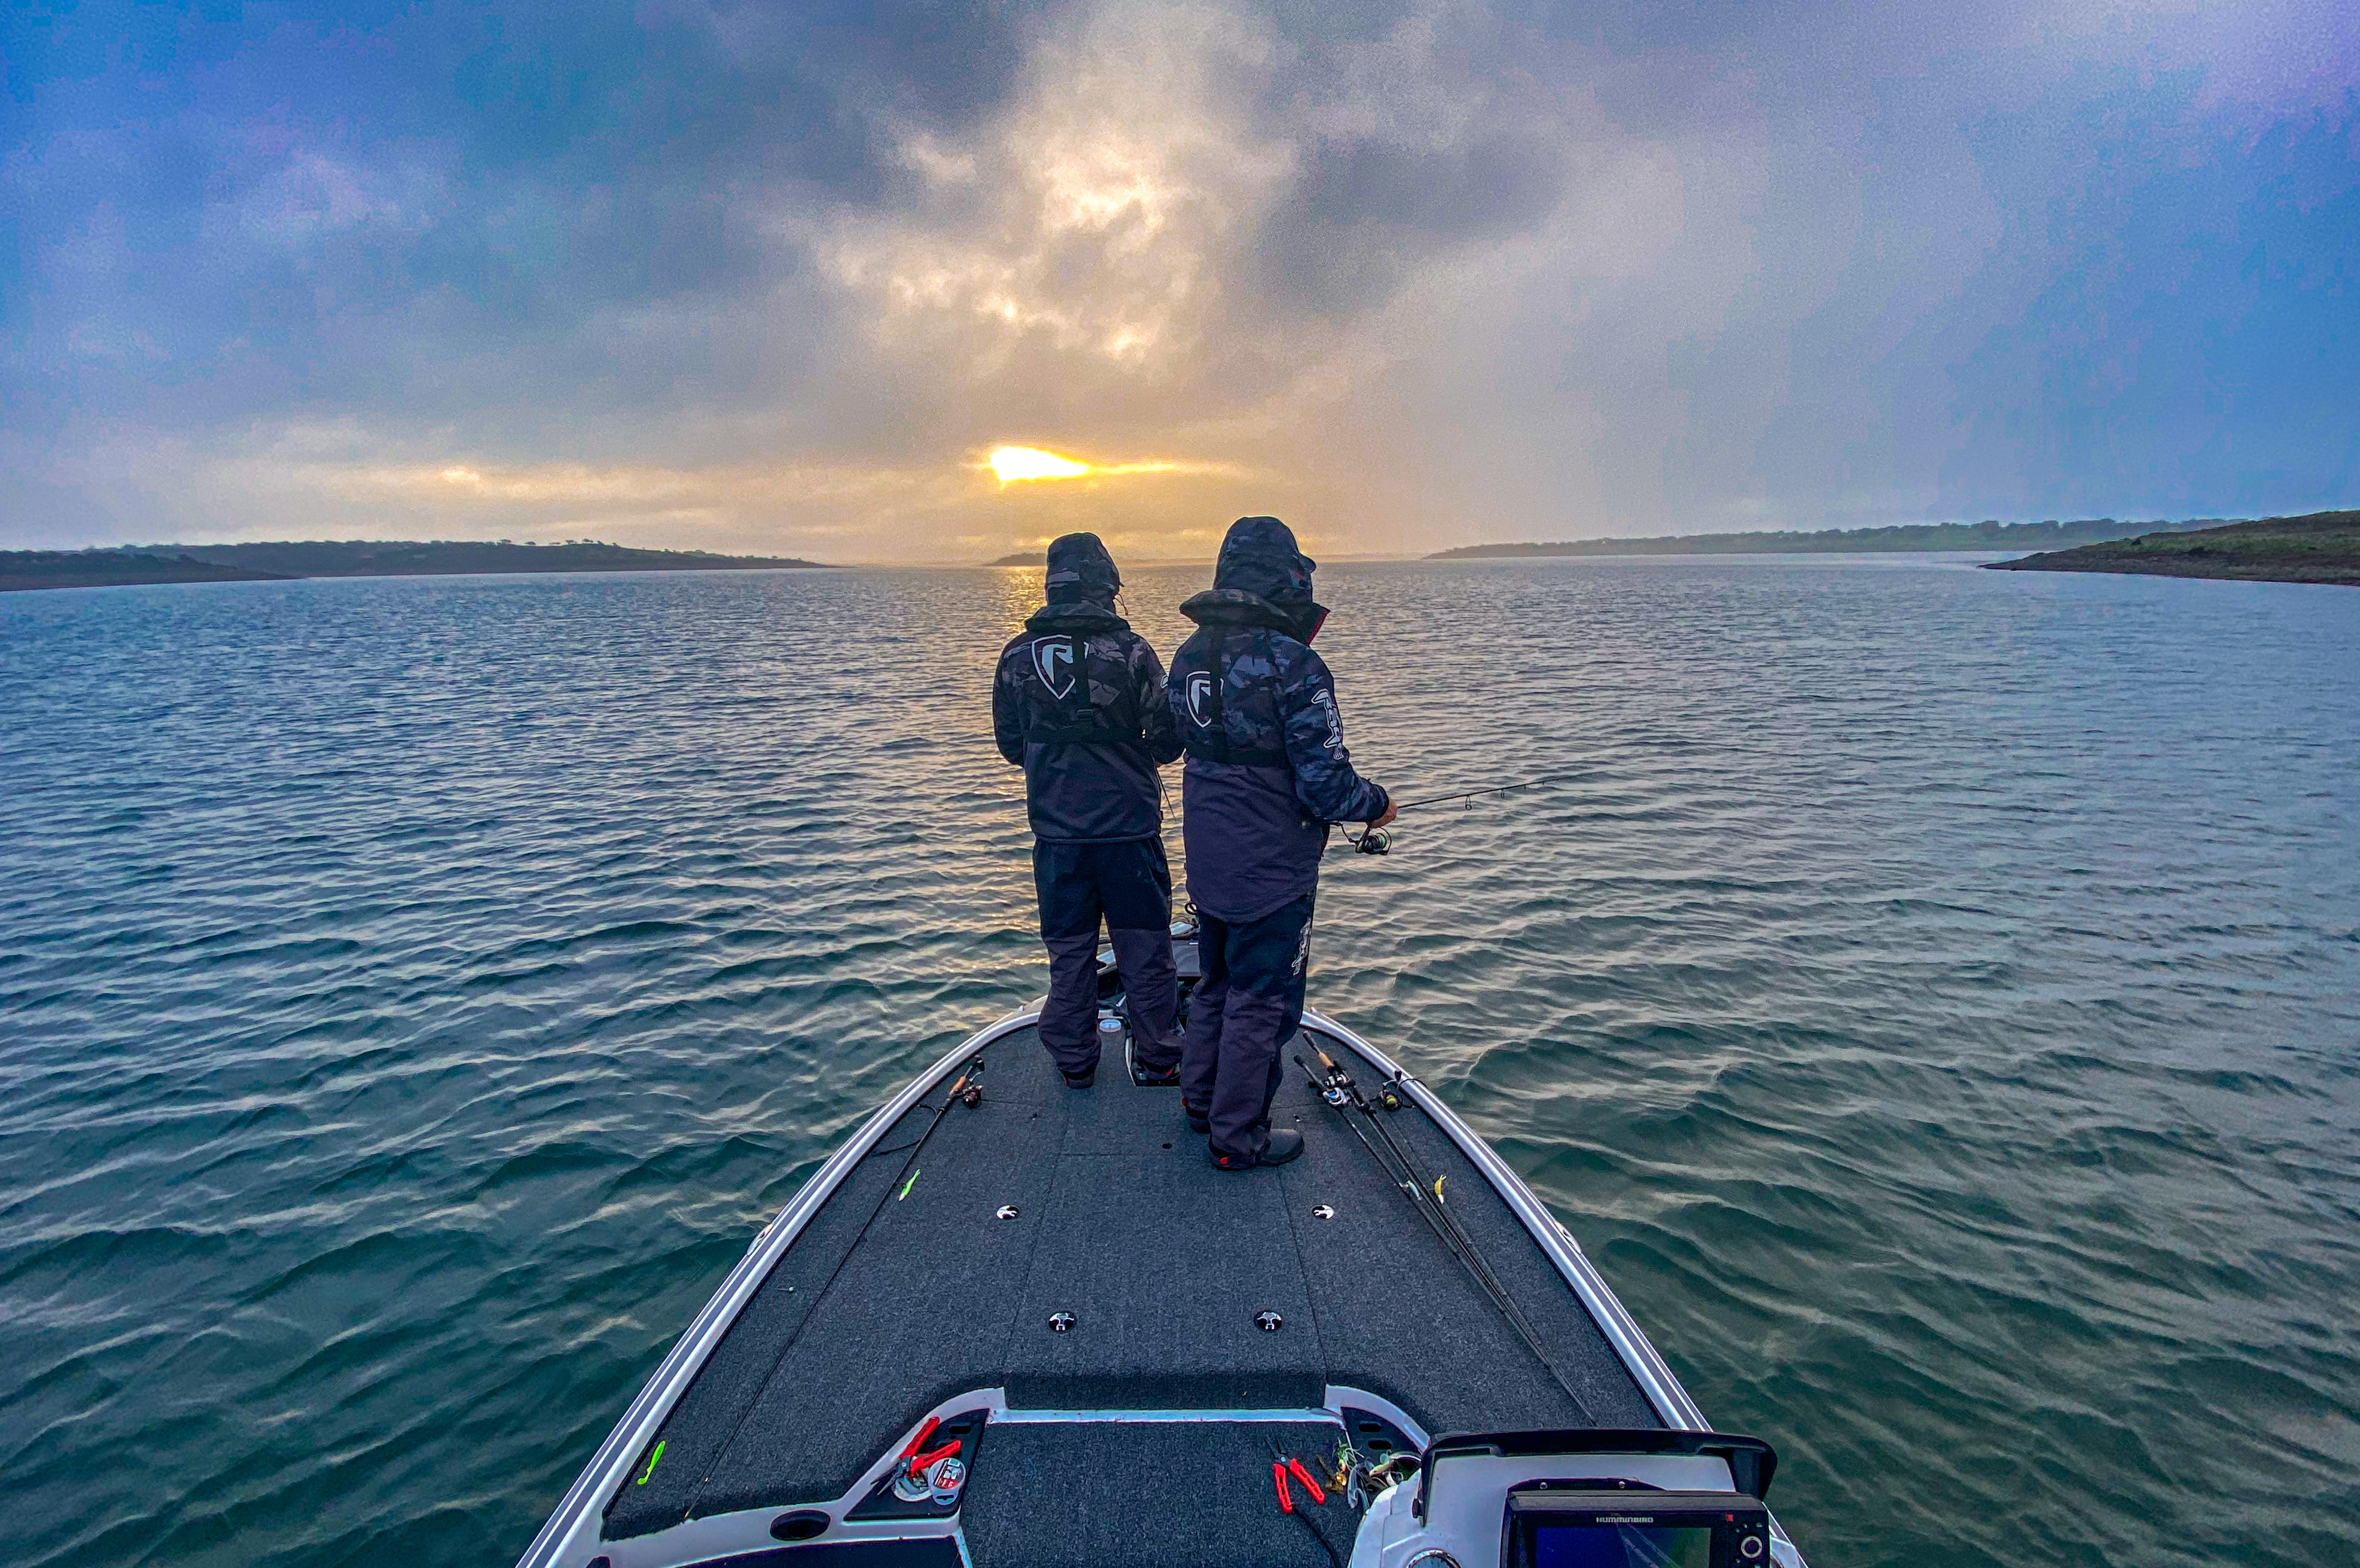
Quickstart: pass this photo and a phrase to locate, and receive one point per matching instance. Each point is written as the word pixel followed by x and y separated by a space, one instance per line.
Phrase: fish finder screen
pixel 1622 1546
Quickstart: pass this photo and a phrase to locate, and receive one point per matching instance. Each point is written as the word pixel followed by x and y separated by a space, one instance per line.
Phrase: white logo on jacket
pixel 1052 660
pixel 1327 701
pixel 1200 693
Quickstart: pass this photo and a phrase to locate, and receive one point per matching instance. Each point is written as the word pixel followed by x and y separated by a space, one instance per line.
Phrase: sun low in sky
pixel 1014 462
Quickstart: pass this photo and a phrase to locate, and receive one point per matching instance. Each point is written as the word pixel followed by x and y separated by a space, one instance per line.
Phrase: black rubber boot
pixel 1284 1144
pixel 1083 1081
pixel 1200 1126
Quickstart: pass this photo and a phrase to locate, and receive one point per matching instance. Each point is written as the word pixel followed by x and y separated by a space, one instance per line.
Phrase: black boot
pixel 1284 1144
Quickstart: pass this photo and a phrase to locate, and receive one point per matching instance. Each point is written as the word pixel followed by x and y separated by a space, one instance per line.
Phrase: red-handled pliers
pixel 1281 1462
pixel 923 1462
pixel 911 1460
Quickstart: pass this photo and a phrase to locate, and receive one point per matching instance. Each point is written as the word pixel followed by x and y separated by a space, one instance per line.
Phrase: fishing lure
pixel 654 1456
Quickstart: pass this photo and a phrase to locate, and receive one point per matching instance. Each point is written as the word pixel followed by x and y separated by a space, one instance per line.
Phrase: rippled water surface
pixel 1929 994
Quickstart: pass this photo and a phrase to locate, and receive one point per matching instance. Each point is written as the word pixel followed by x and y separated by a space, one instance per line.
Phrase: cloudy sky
pixel 783 277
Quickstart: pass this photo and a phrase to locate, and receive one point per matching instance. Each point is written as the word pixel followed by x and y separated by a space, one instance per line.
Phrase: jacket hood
pixel 1236 607
pixel 1261 579
pixel 1076 616
pixel 1080 568
pixel 1259 557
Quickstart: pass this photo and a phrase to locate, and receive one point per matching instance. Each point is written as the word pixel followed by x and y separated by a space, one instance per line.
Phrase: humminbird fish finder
pixel 1634 1529
pixel 1593 1498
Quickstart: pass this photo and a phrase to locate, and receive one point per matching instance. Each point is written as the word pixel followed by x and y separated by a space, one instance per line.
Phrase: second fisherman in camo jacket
pixel 1267 774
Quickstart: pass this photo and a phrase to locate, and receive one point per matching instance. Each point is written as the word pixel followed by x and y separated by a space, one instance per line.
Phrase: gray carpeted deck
pixel 1154 1496
pixel 887 1305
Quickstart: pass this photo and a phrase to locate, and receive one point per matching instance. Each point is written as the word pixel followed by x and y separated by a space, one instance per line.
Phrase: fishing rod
pixel 1337 1089
pixel 1468 794
pixel 1336 1086
pixel 1380 841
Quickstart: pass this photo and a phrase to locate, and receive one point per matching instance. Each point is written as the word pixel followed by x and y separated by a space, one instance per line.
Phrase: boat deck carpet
pixel 906 1290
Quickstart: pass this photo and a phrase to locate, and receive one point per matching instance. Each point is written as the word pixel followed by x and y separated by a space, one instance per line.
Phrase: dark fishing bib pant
pixel 1128 886
pixel 1245 1009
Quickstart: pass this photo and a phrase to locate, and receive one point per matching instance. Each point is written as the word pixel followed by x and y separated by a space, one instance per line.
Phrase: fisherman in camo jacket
pixel 1078 703
pixel 1267 774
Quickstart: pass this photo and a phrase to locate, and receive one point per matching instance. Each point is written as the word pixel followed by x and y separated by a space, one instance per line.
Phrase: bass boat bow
pixel 1009 1324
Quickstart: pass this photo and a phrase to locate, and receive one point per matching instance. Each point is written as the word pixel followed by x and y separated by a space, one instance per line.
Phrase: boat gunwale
pixel 688 1354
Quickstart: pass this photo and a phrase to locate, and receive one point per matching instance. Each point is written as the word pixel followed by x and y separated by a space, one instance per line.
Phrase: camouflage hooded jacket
pixel 1078 702
pixel 1256 709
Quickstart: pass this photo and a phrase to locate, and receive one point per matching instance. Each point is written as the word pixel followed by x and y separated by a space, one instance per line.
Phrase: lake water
pixel 1929 994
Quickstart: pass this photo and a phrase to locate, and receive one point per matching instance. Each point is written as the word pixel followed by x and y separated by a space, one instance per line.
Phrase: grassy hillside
pixel 2322 548
pixel 1991 535
pixel 408 558
pixel 131 564
pixel 23 569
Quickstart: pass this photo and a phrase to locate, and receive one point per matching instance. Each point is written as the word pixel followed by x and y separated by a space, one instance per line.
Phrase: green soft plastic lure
pixel 653 1457
pixel 911 1182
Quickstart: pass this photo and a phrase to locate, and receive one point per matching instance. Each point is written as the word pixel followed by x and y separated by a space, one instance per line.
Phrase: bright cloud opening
pixel 1014 462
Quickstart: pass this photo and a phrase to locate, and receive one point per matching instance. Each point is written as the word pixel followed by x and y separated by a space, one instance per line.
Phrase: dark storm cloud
pixel 1366 215
pixel 220 217
pixel 1418 272
pixel 1422 130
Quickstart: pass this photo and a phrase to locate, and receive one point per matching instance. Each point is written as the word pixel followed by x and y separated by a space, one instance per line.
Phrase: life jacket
pixel 1261 580
pixel 1057 707
pixel 1208 735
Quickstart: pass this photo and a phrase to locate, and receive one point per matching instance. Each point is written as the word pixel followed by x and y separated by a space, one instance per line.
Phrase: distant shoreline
pixel 145 565
pixel 23 569
pixel 1912 537
pixel 2323 547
